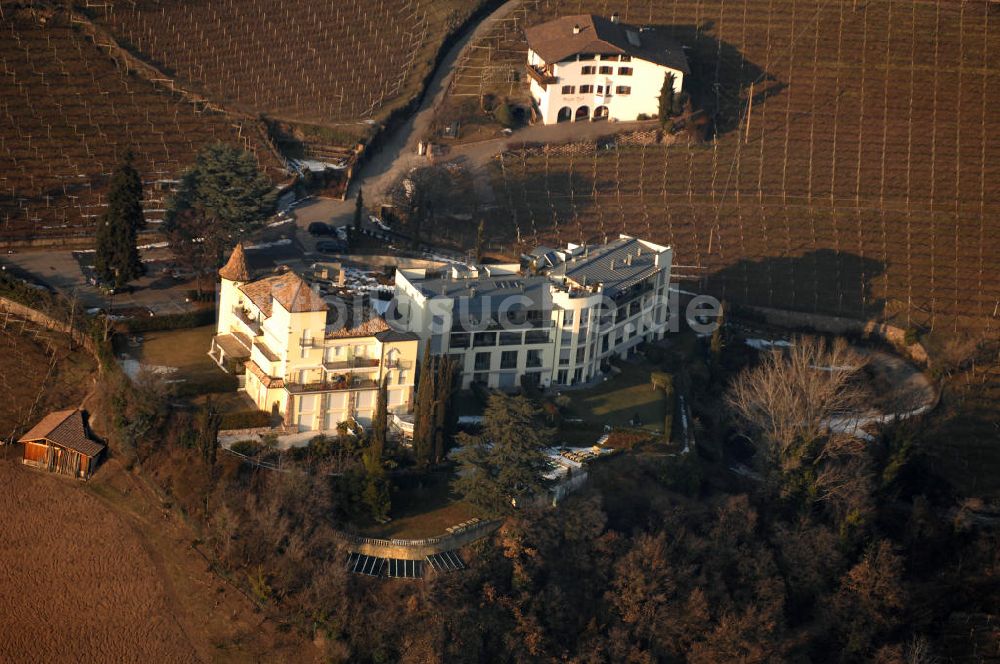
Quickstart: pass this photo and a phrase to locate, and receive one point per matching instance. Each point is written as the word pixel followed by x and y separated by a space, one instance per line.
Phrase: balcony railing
pixel 346 383
pixel 353 363
pixel 398 364
pixel 543 78
pixel 244 318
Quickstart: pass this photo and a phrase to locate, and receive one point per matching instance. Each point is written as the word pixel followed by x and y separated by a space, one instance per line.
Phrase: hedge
pixel 245 419
pixel 196 318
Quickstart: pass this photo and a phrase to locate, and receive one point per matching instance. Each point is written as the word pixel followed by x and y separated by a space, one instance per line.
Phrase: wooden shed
pixel 60 443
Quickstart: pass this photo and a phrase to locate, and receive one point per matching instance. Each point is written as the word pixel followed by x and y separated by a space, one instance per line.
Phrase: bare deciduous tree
pixel 791 397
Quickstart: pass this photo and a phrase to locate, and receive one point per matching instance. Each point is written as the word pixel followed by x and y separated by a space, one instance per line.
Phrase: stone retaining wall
pixel 403 549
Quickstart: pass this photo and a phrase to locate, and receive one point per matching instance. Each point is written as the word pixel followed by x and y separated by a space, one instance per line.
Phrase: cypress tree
pixel 666 98
pixel 380 421
pixel 423 425
pixel 359 208
pixel 442 405
pixel 117 260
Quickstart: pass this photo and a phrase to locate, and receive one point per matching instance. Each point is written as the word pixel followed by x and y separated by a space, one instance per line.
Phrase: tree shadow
pixel 721 77
pixel 825 282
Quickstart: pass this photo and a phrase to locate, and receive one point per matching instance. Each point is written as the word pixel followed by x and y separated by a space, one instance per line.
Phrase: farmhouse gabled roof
pixel 235 268
pixel 556 40
pixel 290 291
pixel 66 429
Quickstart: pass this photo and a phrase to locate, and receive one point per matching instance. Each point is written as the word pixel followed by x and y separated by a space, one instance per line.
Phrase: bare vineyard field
pixel 324 62
pixel 69 114
pixel 861 180
pixel 75 581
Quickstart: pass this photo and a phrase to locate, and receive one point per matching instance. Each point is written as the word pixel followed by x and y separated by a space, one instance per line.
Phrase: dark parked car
pixel 318 228
pixel 331 246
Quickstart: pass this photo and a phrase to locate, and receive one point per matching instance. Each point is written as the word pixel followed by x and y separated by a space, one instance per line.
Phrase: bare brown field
pixel 39 373
pixel 75 582
pixel 861 181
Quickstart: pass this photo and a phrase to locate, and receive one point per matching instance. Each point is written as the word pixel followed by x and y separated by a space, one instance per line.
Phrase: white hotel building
pixel 588 67
pixel 557 323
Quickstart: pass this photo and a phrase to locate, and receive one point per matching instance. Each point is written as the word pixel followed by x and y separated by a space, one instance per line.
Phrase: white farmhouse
pixel 589 67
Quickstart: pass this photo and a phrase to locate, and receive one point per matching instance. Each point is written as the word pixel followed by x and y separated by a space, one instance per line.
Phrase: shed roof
pixel 556 40
pixel 64 428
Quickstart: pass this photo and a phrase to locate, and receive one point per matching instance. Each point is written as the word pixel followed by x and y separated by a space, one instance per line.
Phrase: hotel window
pixel 508 359
pixel 578 375
pixel 482 361
pixel 588 70
pixel 624 71
pixel 607 70
pixel 568 318
pixel 586 89
pixel 623 90
pixel 580 353
pixel 561 377
pixel 568 89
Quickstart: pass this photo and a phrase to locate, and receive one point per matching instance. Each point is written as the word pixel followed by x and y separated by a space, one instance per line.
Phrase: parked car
pixel 318 228
pixel 331 246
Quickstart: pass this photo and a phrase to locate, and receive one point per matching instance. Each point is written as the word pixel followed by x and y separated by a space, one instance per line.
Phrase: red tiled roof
pixel 64 428
pixel 235 268
pixel 290 290
pixel 265 380
pixel 369 328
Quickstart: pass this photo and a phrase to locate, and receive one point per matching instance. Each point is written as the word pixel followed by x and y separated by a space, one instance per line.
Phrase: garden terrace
pixel 859 180
pixel 69 114
pixel 303 61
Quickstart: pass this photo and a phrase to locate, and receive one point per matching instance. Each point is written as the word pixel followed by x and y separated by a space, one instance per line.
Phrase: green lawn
pixel 424 507
pixel 188 351
pixel 619 399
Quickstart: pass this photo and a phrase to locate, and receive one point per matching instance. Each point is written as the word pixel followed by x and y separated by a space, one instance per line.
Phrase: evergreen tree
pixel 718 342
pixel 423 424
pixel 380 421
pixel 506 463
pixel 221 198
pixel 480 241
pixel 209 421
pixel 359 208
pixel 442 405
pixel 117 260
pixel 666 98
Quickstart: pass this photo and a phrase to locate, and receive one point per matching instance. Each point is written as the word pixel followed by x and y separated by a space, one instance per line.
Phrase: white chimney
pixel 614 17
pixel 576 29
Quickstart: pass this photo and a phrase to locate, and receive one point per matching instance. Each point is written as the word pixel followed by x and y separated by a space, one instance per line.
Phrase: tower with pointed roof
pixel 232 275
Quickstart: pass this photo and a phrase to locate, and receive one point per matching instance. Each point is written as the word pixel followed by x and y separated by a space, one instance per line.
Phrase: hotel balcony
pixel 353 363
pixel 251 324
pixel 336 383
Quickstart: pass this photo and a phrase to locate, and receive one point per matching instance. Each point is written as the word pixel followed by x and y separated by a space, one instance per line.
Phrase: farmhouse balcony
pixel 341 382
pixel 540 76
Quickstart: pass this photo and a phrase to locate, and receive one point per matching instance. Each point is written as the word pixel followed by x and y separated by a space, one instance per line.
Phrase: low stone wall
pixel 404 549
pixel 838 325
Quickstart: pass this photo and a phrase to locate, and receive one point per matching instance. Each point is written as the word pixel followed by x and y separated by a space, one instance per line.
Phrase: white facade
pixel 566 325
pixel 593 87
pixel 274 331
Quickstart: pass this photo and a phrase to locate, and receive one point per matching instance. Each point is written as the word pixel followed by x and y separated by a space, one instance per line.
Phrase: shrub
pixel 246 447
pixel 245 419
pixel 505 116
